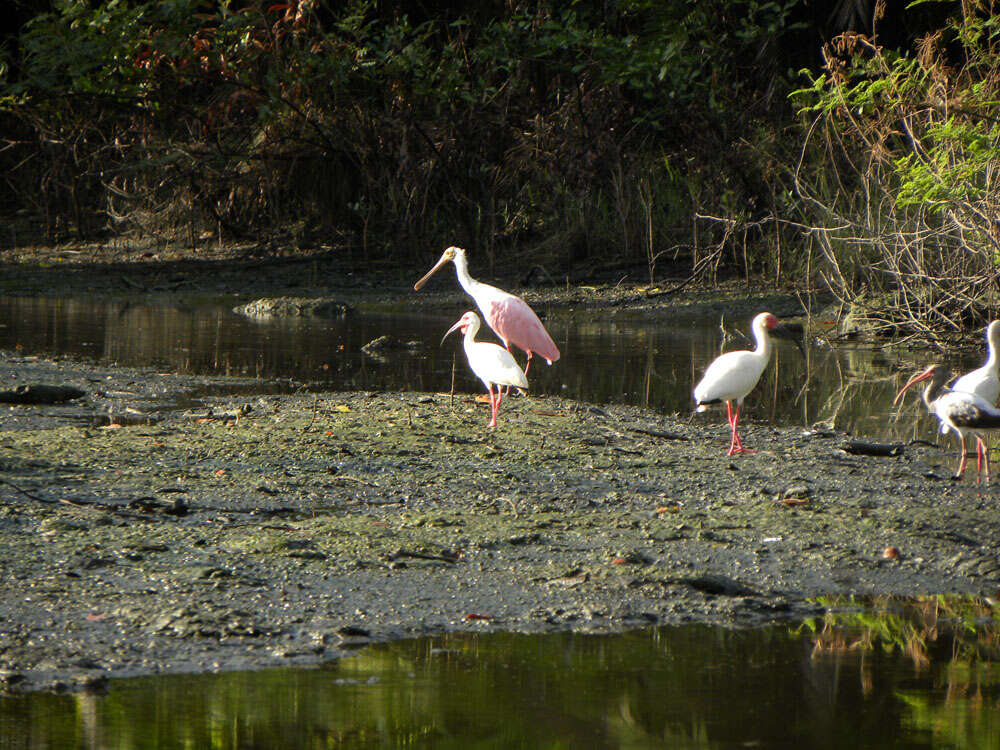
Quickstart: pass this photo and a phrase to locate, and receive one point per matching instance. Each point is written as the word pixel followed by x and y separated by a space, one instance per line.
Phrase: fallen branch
pixel 41 394
pixel 423 556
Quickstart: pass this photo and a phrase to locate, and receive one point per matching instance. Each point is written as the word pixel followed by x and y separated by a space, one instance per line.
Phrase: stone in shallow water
pixel 294 307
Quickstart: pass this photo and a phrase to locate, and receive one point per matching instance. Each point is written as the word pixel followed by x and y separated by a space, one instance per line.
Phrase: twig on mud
pixel 513 507
pixel 359 480
pixel 868 448
pixel 379 503
pixel 451 393
pixel 27 494
pixel 315 413
pixel 423 556
pixel 657 433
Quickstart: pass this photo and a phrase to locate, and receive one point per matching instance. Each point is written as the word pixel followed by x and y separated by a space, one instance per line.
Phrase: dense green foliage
pixel 573 135
pixel 586 130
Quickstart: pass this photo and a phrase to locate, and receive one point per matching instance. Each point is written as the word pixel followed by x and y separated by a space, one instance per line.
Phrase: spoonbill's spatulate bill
pixel 965 413
pixel 509 316
pixel 731 376
pixel 492 364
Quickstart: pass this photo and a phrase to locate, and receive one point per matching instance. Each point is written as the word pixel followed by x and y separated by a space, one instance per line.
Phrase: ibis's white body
pixel 731 376
pixel 965 413
pixel 491 363
pixel 985 381
pixel 959 411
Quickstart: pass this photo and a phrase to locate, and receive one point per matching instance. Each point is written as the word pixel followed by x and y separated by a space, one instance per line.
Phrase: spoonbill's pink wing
pixel 518 325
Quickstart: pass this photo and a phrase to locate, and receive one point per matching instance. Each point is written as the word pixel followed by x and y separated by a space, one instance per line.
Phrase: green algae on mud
pixel 283 528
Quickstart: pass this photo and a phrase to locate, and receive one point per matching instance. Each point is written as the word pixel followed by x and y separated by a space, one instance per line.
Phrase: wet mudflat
pixel 178 521
pixel 276 529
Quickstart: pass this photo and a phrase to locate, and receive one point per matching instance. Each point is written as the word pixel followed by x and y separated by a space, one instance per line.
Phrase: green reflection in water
pixel 921 675
pixel 948 693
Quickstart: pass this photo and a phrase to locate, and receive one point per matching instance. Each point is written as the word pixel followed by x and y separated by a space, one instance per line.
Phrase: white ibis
pixel 731 376
pixel 984 381
pixel 963 412
pixel 509 316
pixel 492 364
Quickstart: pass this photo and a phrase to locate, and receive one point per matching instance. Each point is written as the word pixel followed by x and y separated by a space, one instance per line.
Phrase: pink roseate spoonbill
pixel 731 376
pixel 965 413
pixel 509 316
pixel 984 381
pixel 492 364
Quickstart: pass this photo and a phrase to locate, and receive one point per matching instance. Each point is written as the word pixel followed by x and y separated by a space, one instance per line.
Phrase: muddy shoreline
pixel 52 272
pixel 169 523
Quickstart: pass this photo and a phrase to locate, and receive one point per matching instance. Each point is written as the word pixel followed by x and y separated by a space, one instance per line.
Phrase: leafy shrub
pixel 900 174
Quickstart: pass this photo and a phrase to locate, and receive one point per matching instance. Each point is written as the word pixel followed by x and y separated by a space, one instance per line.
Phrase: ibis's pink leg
pixel 493 406
pixel 737 446
pixel 961 463
pixel 986 455
pixel 496 409
pixel 527 364
pixel 732 427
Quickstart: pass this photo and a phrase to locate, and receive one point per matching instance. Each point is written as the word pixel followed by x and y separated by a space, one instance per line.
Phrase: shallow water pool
pixel 638 359
pixel 907 674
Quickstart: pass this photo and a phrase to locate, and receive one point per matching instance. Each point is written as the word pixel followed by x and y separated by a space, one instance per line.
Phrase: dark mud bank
pixel 327 286
pixel 284 529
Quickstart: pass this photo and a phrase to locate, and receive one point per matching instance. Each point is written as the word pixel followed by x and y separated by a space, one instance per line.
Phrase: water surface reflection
pixel 607 357
pixel 922 675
